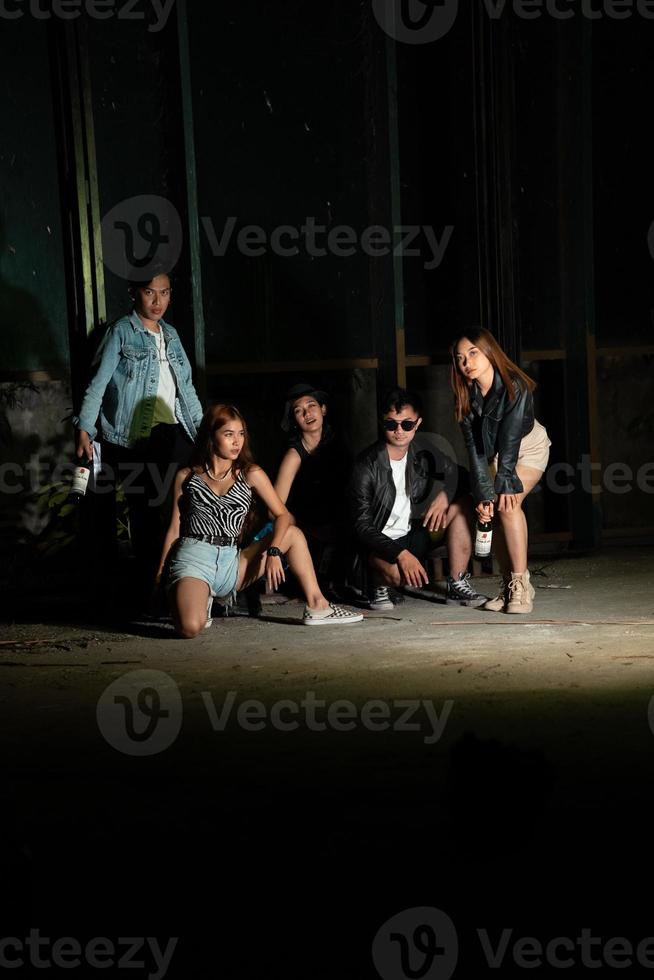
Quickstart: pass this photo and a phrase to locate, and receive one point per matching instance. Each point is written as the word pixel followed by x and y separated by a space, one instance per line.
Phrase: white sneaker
pixel 381 599
pixel 335 615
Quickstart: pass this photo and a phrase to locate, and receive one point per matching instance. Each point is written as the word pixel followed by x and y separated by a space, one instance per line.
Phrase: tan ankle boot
pixel 521 594
pixel 499 602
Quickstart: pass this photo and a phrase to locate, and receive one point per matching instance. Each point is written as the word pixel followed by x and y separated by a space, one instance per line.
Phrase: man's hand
pixel 411 569
pixel 83 445
pixel 436 516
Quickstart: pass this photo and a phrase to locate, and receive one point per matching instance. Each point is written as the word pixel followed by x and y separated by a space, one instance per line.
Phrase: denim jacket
pixel 124 389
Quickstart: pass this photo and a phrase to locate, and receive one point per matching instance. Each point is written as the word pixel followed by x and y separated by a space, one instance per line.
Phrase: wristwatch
pixel 274 553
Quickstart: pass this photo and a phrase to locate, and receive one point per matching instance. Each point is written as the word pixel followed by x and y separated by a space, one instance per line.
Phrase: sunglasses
pixel 406 424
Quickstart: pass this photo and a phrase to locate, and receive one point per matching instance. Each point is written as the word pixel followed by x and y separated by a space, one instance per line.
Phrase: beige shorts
pixel 534 450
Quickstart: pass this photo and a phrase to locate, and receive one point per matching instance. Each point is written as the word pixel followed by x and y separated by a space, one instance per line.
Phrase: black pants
pixel 417 541
pixel 146 473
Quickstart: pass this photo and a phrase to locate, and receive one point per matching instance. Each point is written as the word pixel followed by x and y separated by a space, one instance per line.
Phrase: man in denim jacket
pixel 148 411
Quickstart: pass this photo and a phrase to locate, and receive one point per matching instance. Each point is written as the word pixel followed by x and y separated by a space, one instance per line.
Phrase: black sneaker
pixel 460 592
pixel 380 599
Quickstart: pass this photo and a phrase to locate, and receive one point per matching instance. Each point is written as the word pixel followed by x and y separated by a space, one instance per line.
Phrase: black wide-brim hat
pixel 298 391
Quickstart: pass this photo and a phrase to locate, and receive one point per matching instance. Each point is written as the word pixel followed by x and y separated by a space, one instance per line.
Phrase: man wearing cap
pixel 389 484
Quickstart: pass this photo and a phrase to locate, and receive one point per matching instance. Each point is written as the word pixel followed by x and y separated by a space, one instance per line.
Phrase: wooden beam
pixel 288 367
pixel 626 532
pixel 625 351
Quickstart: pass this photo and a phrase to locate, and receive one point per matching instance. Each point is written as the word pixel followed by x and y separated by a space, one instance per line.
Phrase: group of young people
pixel 381 513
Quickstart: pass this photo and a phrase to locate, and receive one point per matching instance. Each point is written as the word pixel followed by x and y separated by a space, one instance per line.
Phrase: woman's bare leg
pixel 512 534
pixel 252 565
pixel 189 599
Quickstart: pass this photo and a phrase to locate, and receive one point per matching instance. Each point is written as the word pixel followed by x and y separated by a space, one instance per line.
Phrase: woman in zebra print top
pixel 212 504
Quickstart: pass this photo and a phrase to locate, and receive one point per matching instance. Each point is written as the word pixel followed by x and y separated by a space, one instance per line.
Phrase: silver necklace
pixel 307 449
pixel 160 345
pixel 217 479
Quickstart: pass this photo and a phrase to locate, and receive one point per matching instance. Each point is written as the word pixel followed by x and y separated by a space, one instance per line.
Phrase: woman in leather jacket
pixel 508 451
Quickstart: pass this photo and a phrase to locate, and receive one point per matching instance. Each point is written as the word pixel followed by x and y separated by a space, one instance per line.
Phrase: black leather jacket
pixel 495 426
pixel 371 492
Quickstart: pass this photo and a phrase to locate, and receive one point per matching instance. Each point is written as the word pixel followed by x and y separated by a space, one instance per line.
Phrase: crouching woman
pixel 213 500
pixel 508 451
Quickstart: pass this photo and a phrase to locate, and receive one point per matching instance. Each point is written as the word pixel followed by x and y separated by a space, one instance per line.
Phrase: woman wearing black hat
pixel 313 476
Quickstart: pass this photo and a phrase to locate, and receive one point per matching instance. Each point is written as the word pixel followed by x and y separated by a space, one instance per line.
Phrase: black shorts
pixel 418 541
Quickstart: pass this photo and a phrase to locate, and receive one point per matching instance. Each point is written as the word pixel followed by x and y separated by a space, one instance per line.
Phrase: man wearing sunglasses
pixel 389 483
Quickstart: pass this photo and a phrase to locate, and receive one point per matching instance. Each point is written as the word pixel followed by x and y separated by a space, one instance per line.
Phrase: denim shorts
pixel 217 566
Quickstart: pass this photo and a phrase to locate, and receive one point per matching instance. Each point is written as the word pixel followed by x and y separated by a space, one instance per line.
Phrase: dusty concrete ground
pixel 498 768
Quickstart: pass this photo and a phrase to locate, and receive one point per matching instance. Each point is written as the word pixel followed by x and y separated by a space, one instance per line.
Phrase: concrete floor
pixel 521 797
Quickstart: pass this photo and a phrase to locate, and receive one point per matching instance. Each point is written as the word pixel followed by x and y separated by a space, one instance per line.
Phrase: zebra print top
pixel 203 512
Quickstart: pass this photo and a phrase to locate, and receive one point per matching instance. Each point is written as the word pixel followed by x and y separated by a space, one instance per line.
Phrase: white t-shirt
pixel 399 520
pixel 164 408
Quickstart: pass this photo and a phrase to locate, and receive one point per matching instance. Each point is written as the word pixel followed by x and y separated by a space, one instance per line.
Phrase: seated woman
pixel 312 478
pixel 212 503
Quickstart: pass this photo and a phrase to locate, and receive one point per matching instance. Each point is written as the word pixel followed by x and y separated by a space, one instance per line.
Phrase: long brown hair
pixel 508 371
pixel 214 419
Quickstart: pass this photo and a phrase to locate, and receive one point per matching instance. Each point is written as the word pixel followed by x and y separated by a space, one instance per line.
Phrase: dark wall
pixel 291 113
pixel 33 308
pixel 279 103
pixel 139 138
pixel 437 166
pixel 623 81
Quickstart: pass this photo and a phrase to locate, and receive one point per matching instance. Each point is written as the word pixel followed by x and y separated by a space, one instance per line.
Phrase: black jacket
pixel 495 426
pixel 372 492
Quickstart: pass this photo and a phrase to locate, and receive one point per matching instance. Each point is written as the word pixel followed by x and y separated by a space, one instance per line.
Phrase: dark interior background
pixel 529 139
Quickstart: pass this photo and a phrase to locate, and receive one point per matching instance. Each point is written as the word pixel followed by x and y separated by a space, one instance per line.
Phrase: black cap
pixel 298 391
